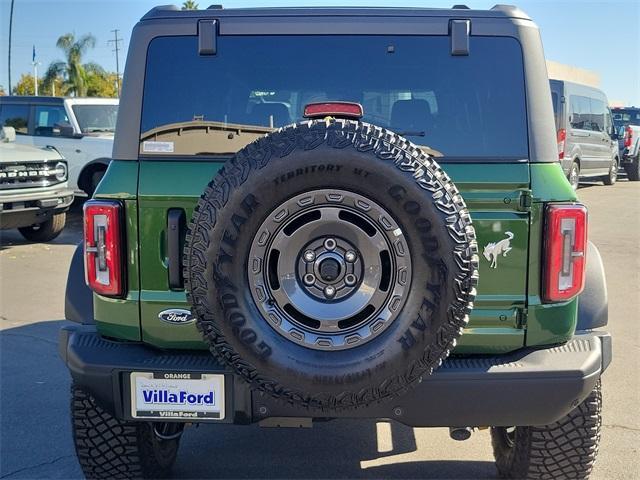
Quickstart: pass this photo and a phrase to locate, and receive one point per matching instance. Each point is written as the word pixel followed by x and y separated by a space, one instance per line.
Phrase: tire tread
pixel 565 449
pixel 110 448
pixel 338 134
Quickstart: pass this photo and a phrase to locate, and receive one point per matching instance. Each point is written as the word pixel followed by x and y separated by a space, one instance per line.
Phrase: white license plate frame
pixel 158 396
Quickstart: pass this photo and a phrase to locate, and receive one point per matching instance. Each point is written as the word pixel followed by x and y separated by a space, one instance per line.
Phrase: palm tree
pixel 189 5
pixel 72 70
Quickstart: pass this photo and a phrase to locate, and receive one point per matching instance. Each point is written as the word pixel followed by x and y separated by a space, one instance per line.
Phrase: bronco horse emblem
pixel 493 249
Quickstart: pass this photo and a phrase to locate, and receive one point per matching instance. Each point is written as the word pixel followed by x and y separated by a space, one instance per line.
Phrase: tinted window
pixel 554 100
pixel 15 116
pixel 51 121
pixel 580 108
pixel 598 111
pixel 457 106
pixel 96 118
pixel 626 116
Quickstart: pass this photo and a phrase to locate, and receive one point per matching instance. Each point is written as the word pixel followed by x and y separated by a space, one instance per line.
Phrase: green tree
pixel 72 70
pixel 100 83
pixel 189 5
pixel 26 85
pixel 53 87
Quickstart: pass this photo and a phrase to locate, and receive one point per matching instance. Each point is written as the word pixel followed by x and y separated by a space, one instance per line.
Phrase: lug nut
pixel 330 244
pixel 350 256
pixel 309 279
pixel 329 291
pixel 309 256
pixel 350 279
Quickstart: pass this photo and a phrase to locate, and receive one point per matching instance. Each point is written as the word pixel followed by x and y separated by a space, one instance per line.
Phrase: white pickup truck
pixel 627 121
pixel 81 129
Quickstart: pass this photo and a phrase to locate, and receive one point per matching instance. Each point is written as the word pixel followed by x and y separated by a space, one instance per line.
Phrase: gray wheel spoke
pixel 328 269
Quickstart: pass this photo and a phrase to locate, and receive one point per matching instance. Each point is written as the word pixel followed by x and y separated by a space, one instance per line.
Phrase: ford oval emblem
pixel 176 316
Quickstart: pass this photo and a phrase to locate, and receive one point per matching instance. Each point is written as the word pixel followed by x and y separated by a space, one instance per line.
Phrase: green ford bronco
pixel 336 213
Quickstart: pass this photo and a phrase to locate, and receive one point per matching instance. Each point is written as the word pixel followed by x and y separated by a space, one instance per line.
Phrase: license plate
pixel 174 395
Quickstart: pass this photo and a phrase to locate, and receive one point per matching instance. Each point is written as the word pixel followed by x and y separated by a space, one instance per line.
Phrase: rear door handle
pixel 175 240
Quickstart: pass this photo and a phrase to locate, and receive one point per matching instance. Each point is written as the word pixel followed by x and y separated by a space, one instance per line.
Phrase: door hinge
pixel 525 201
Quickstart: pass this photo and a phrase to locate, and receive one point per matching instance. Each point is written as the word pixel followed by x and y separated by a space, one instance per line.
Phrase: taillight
pixel 562 137
pixel 333 109
pixel 103 247
pixel 628 135
pixel 565 250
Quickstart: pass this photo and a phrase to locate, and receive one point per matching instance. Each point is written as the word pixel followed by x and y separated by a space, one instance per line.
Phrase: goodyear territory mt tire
pixel 331 264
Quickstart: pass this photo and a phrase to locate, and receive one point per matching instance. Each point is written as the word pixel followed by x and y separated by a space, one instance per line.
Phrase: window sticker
pixel 157 147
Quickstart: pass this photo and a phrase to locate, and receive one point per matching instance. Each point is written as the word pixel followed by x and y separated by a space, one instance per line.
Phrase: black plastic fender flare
pixel 87 167
pixel 593 302
pixel 78 301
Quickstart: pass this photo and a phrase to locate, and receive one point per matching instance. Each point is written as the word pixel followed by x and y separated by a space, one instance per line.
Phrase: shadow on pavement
pixel 35 436
pixel 35 433
pixel 71 235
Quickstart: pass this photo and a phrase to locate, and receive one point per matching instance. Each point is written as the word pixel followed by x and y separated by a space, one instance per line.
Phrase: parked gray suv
pixel 587 140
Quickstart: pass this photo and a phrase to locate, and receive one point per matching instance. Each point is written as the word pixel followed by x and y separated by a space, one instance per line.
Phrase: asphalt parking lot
pixel 35 435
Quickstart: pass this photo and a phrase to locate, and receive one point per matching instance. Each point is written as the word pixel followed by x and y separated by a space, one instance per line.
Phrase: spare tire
pixel 331 264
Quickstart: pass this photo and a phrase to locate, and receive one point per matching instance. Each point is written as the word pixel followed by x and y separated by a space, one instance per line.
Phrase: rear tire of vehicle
pixel 564 449
pixel 574 175
pixel 94 180
pixel 633 169
pixel 45 231
pixel 110 448
pixel 613 173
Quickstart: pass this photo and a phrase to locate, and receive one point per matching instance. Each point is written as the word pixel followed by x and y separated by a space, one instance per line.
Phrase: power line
pixel 116 43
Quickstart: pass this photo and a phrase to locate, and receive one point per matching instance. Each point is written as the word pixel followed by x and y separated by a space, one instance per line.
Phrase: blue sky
pixel 596 35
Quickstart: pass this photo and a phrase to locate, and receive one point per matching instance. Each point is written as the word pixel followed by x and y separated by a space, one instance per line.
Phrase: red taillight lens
pixel 103 247
pixel 565 251
pixel 333 109
pixel 628 135
pixel 562 137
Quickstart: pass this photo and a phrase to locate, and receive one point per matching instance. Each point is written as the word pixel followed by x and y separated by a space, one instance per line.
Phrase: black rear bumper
pixel 528 387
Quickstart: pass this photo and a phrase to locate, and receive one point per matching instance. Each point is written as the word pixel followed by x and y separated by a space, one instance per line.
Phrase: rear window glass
pixel 455 106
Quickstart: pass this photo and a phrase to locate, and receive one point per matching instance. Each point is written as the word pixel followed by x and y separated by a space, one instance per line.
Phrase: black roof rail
pixel 510 10
pixel 460 7
pixel 160 8
pixel 215 6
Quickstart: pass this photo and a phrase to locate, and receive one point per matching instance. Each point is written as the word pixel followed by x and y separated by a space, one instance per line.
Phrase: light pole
pixel 35 76
pixel 9 56
pixel 35 70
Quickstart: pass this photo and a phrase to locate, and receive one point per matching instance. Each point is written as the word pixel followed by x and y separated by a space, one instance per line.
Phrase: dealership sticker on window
pixel 177 395
pixel 157 147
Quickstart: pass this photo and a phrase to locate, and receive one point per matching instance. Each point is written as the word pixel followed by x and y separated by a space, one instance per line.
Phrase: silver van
pixel 587 141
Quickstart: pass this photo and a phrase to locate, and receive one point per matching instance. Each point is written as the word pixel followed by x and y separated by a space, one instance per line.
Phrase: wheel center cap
pixel 329 269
